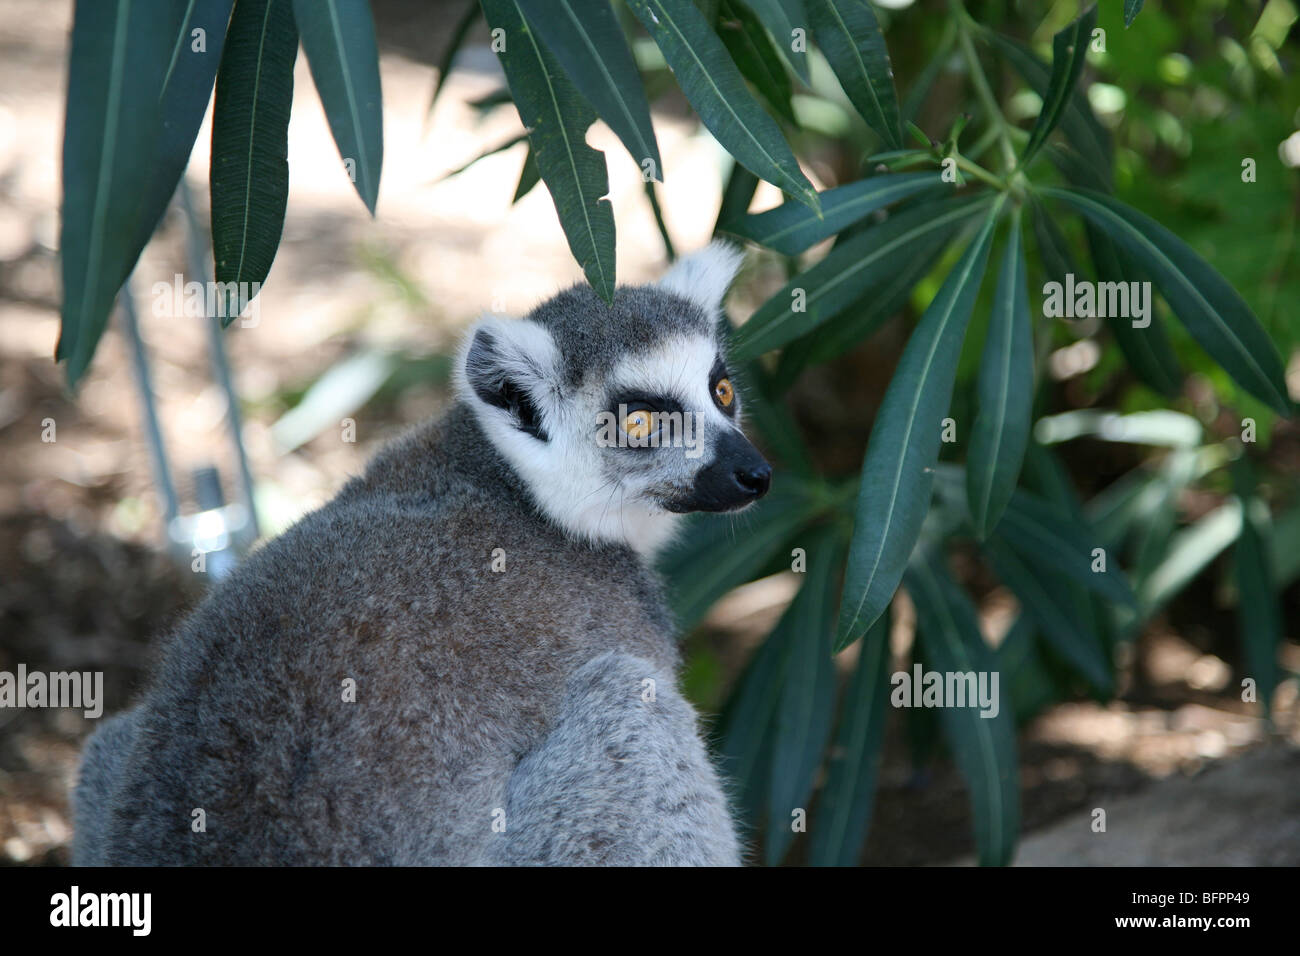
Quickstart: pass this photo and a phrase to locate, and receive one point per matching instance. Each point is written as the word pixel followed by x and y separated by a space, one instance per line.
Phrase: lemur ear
pixel 510 366
pixel 703 277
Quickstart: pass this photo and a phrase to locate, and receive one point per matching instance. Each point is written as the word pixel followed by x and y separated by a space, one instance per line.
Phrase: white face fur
pixel 584 470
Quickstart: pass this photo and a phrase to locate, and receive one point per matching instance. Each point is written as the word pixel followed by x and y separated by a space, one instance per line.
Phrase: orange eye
pixel 639 424
pixel 723 392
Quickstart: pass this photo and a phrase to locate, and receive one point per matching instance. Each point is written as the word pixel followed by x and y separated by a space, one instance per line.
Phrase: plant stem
pixel 979 172
pixel 981 83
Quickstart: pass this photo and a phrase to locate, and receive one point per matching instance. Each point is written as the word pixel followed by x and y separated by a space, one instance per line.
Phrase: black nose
pixel 754 479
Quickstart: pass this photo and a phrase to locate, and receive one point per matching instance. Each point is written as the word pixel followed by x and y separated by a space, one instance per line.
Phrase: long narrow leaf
pixel 844 811
pixel 861 318
pixel 1258 613
pixel 120 51
pixel 783 17
pixel 1069 51
pixel 747 726
pixel 588 41
pixel 792 227
pixel 557 117
pixel 716 89
pixel 1212 310
pixel 1083 131
pixel 249 175
pixel 803 717
pixel 983 747
pixel 1057 620
pixel 737 194
pixel 1006 394
pixel 751 48
pixel 1190 551
pixel 458 34
pixel 1047 537
pixel 187 87
pixel 849 35
pixel 338 37
pixel 1147 350
pixel 707 560
pixel 898 471
pixel 528 177
pixel 849 271
pixel 1131 9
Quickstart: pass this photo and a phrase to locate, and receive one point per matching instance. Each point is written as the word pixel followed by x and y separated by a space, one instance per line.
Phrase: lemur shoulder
pixel 486 587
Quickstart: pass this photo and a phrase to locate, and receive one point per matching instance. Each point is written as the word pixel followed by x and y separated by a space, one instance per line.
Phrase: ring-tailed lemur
pixel 464 658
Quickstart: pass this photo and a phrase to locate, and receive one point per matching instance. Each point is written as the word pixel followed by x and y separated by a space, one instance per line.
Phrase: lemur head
pixel 619 417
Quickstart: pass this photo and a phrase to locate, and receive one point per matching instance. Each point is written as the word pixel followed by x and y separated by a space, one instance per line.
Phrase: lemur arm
pixel 622 779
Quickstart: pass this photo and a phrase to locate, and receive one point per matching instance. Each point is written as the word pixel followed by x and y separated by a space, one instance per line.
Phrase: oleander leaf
pixel 1211 309
pixel 557 117
pixel 1006 394
pixel 898 471
pixel 588 42
pixel 120 50
pixel 792 227
pixel 249 174
pixel 338 37
pixel 850 38
pixel 716 89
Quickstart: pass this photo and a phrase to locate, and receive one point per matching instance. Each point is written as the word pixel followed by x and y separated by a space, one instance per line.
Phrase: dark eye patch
pixel 639 401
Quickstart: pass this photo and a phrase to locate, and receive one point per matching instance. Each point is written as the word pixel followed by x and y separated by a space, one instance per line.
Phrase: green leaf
pixel 751 48
pixel 1207 305
pixel 458 34
pixel 1131 9
pixel 1083 131
pixel 807 703
pixel 861 318
pixel 737 194
pixel 187 87
pixel 1190 551
pixel 844 809
pixel 1053 250
pixel 1069 51
pixel 746 727
pixel 119 56
pixel 249 174
pixel 792 227
pixel 850 37
pixel 781 17
pixel 557 117
pixel 1006 394
pixel 490 151
pixel 709 559
pixel 1147 351
pixel 338 37
pixel 716 89
pixel 589 44
pixel 1042 598
pixel 528 177
pixel 1258 604
pixel 984 748
pixel 898 471
pixel 849 271
pixel 1050 537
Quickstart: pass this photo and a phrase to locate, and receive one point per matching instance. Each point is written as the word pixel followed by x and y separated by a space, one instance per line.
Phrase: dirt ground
pixel 86 584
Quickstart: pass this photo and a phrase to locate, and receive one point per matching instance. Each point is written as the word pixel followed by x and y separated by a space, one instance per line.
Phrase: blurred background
pixel 358 316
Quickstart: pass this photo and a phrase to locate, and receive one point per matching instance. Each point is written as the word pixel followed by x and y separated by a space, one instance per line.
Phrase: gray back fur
pixel 516 698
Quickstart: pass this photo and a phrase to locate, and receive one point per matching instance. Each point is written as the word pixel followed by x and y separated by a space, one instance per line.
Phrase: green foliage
pixel 338 37
pixel 904 446
pixel 911 228
pixel 249 174
pixel 117 69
